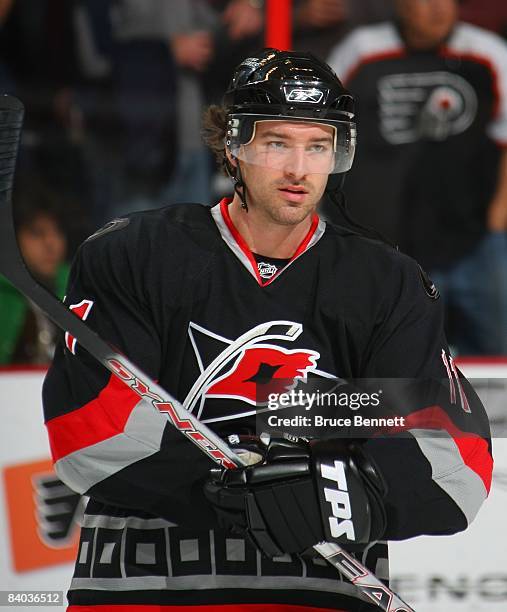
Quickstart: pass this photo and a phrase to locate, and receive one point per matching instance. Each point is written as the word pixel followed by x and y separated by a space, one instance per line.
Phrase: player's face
pixel 428 20
pixel 287 169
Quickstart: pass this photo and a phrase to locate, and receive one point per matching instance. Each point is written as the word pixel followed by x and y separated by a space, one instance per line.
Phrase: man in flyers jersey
pixel 226 307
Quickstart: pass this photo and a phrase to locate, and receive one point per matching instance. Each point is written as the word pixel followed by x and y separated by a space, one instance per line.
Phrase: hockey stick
pixel 13 267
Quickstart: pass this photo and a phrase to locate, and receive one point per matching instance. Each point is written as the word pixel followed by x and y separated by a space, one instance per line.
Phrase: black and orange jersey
pixel 178 291
pixel 432 124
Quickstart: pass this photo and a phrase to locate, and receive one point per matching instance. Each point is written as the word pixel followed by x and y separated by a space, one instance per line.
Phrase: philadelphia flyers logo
pixel 59 510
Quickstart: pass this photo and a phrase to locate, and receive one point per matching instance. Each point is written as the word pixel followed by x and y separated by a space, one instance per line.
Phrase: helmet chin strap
pixel 237 178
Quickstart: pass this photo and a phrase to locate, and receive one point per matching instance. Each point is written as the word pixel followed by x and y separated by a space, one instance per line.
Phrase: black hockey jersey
pixel 178 291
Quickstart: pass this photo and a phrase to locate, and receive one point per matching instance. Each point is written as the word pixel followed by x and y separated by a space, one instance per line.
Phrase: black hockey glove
pixel 300 494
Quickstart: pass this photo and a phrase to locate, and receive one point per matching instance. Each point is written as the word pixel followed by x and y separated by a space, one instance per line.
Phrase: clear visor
pixel 299 147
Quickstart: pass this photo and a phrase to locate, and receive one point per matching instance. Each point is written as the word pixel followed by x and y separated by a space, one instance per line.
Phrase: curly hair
pixel 214 128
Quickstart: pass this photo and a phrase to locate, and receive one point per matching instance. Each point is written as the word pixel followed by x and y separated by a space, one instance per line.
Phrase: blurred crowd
pixel 114 92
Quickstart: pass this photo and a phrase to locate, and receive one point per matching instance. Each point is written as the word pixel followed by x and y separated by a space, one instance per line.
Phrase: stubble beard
pixel 286 214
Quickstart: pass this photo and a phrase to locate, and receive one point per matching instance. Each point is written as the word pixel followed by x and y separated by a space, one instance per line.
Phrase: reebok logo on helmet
pixel 304 94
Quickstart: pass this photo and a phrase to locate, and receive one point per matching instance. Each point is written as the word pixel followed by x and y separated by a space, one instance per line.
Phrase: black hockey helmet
pixel 290 86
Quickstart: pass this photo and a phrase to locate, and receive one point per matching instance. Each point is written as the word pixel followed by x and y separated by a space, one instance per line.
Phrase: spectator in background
pixel 238 32
pixel 317 26
pixel 432 106
pixel 185 29
pixel 320 24
pixel 142 64
pixel 37 53
pixel 243 18
pixel 27 336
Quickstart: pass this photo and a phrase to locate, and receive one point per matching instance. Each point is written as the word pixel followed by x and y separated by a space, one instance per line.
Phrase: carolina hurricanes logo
pixel 249 368
pixel 263 370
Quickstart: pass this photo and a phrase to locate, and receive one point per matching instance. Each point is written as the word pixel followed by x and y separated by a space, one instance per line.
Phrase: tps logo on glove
pixel 340 523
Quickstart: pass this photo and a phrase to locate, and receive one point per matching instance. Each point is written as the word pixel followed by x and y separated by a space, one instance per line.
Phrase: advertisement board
pixel 39 516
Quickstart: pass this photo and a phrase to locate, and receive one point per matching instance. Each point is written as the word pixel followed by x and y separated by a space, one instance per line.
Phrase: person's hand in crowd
pixel 193 50
pixel 321 13
pixel 243 18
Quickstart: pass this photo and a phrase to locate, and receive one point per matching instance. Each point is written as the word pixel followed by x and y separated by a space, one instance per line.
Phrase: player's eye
pixel 320 148
pixel 276 145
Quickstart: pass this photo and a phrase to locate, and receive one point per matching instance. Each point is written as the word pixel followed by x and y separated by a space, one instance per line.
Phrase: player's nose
pixel 296 163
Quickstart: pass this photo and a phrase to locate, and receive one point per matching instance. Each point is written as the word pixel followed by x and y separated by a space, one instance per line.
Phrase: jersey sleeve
pixel 363 45
pixel 438 464
pixel 345 56
pixel 106 443
pixel 493 51
pixel 497 128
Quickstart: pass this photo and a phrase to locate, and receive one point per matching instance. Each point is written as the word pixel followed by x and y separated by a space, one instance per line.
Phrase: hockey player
pixel 210 301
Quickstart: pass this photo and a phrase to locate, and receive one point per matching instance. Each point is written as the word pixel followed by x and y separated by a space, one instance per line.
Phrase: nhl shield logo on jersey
pixel 246 370
pixel 266 270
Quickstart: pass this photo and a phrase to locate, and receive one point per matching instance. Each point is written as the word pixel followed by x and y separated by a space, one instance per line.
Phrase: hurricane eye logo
pixel 247 369
pixel 262 370
pixel 309 94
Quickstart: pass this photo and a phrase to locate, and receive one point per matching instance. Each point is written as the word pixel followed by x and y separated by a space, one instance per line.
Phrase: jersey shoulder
pixel 363 45
pixel 354 242
pixel 473 40
pixel 378 262
pixel 179 238
pixel 170 228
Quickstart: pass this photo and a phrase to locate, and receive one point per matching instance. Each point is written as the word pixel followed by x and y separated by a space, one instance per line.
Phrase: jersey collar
pixel 239 247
